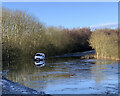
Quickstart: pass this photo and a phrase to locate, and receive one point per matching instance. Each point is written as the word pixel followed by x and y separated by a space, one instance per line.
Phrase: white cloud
pixel 105 25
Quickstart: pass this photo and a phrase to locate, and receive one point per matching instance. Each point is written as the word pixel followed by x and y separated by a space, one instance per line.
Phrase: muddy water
pixel 66 75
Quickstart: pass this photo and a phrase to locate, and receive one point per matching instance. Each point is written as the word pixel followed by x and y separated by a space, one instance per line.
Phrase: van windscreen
pixel 38 55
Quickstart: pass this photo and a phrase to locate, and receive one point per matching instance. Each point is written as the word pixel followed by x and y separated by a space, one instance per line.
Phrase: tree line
pixel 23 36
pixel 106 43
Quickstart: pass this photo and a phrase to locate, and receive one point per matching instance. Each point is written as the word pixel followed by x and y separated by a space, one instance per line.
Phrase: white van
pixel 39 56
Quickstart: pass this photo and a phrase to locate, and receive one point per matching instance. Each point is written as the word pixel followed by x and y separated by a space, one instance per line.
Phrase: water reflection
pixel 63 76
pixel 40 63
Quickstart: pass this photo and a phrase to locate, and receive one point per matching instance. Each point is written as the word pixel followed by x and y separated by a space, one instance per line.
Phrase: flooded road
pixel 66 75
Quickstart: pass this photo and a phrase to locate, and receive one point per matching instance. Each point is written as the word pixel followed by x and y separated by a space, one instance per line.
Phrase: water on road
pixel 66 75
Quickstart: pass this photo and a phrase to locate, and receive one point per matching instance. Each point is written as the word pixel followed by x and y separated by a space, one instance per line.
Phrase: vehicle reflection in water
pixel 40 63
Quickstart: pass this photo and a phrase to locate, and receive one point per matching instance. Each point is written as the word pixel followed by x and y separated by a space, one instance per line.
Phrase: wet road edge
pixel 13 88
